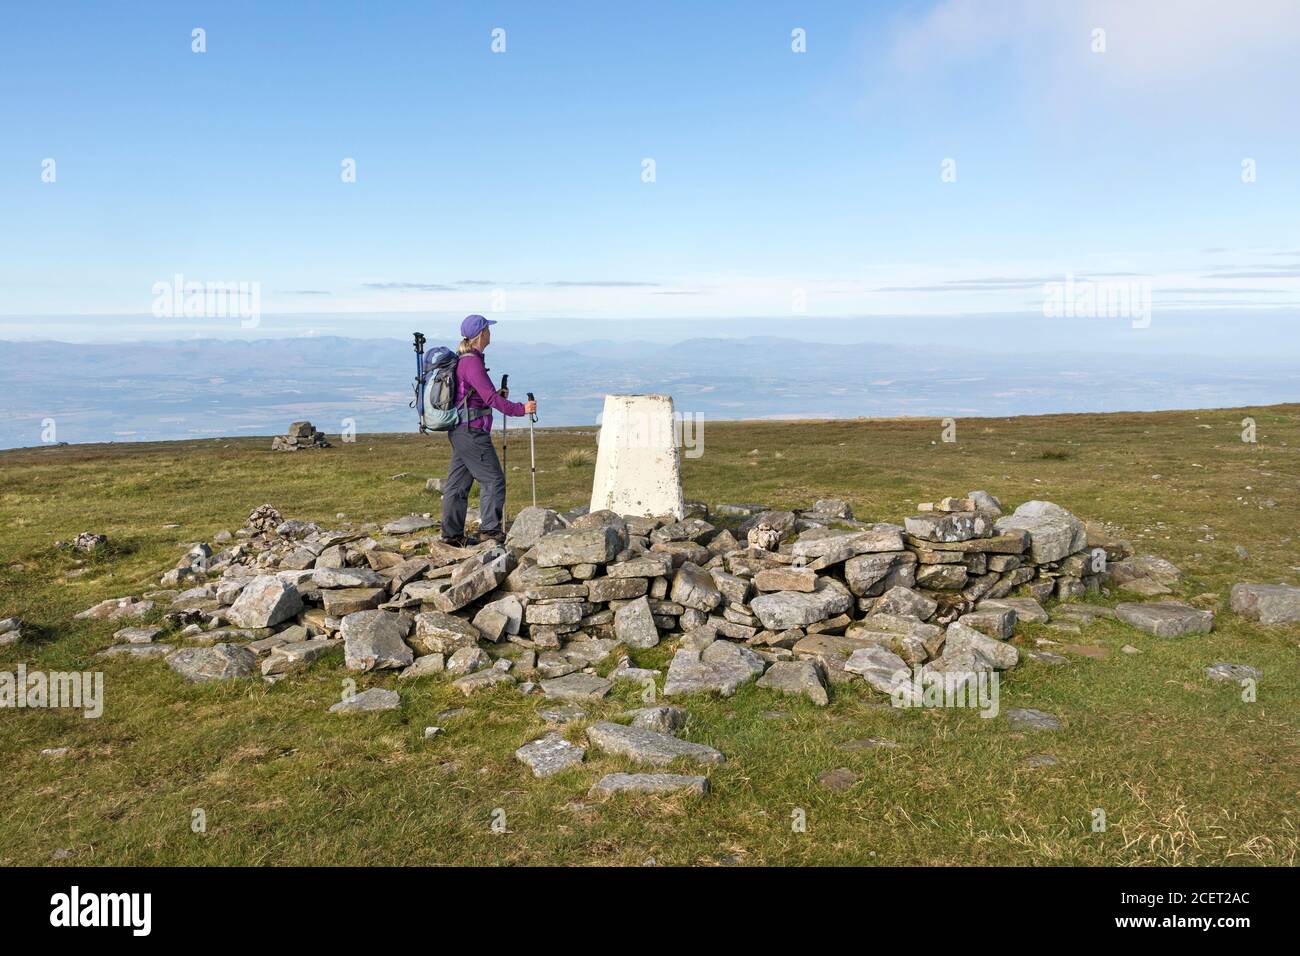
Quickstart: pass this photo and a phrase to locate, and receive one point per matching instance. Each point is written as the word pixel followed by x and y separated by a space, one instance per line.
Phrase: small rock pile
pixel 830 602
pixel 87 542
pixel 299 435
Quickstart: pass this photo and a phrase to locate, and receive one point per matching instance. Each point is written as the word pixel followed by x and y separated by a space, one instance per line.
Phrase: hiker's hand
pixel 530 408
pixel 503 392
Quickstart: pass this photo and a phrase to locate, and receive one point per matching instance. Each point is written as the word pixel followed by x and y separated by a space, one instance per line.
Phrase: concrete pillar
pixel 638 467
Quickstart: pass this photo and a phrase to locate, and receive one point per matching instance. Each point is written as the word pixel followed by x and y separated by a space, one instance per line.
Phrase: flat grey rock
pixel 297 656
pixel 647 746
pixel 1047 657
pixel 439 633
pixel 880 667
pixel 998 623
pixel 489 677
pixel 423 666
pixel 721 667
pixel 871 743
pixel 1165 618
pixel 1027 718
pixel 368 701
pixel 560 713
pixel 782 610
pixel 1236 673
pixel 662 720
pixel 550 754
pixel 1027 609
pixel 346 578
pixel 408 525
pixel 573 546
pixel 576 687
pixel 799 678
pixel 218 662
pixel 137 635
pixel 467 660
pixel 999 653
pixel 939 526
pixel 649 783
pixel 1267 603
pixel 903 601
pixel 137 650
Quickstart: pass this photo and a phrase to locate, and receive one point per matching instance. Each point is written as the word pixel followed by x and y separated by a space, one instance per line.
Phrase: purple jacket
pixel 472 380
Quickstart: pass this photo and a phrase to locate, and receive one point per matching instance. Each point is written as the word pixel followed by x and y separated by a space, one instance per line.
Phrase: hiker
pixel 473 457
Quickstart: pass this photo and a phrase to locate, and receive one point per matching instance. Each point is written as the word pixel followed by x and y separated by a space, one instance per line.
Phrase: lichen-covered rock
pixel 800 678
pixel 265 602
pixel 649 747
pixel 439 633
pixel 1054 533
pixel 1267 603
pixel 721 667
pixel 879 667
pixel 531 525
pixel 368 701
pixel 549 755
pixel 649 783
pixel 634 624
pixel 573 546
pixel 949 526
pixel 375 640
pixel 782 610
pixel 694 587
pixel 218 662
pixel 1165 618
pixel 662 720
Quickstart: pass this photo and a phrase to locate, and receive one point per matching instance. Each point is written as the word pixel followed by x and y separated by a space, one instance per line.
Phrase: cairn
pixel 829 604
pixel 299 435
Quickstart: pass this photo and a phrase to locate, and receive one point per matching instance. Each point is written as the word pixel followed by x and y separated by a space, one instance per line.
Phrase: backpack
pixel 435 388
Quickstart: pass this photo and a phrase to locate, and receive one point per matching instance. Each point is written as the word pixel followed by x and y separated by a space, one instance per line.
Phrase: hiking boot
pixel 461 541
pixel 496 537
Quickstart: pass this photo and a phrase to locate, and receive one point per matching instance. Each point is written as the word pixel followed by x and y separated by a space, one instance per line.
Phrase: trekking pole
pixel 505 445
pixel 532 448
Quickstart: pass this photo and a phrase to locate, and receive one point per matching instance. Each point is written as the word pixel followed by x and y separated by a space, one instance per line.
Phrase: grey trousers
pixel 473 458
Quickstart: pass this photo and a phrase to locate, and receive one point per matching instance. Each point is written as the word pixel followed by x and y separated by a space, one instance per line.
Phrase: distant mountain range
pixel 148 391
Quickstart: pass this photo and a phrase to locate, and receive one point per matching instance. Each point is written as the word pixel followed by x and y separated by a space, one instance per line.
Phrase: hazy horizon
pixel 164 390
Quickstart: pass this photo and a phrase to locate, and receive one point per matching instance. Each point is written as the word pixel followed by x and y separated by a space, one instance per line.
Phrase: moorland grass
pixel 1185 770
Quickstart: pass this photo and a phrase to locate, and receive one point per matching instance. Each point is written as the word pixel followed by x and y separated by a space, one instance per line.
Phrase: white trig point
pixel 638 466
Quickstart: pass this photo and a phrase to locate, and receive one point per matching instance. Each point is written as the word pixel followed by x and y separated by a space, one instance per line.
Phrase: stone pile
pixel 299 435
pixel 830 602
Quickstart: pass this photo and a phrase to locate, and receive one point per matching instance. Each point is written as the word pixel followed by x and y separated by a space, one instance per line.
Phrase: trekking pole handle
pixel 533 416
pixel 505 383
pixel 419 341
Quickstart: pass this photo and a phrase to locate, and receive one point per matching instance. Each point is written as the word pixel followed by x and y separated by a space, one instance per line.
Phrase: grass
pixel 579 458
pixel 1186 772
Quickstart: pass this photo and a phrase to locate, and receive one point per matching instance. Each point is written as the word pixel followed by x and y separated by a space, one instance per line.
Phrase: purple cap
pixel 473 325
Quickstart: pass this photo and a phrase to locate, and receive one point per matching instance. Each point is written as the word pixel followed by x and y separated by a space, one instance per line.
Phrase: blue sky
pixel 513 181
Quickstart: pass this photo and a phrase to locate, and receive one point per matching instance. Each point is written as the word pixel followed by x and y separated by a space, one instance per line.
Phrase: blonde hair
pixel 468 345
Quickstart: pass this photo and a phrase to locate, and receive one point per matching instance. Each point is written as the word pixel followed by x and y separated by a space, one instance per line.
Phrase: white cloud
pixel 1181 54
